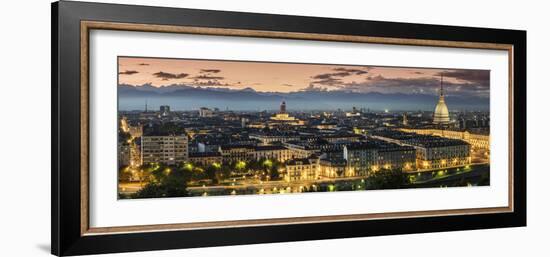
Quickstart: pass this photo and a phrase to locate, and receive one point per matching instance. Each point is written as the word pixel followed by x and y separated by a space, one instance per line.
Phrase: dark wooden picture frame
pixel 71 23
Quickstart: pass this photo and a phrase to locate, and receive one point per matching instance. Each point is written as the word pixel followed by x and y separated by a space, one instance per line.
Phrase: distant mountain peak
pixel 248 89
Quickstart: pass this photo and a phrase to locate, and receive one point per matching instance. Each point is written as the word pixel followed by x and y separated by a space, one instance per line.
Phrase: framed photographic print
pixel 178 128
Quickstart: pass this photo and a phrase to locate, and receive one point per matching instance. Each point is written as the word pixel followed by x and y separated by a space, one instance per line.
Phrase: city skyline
pixel 292 77
pixel 212 128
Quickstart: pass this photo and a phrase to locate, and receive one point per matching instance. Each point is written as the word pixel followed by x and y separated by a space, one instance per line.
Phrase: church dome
pixel 441 112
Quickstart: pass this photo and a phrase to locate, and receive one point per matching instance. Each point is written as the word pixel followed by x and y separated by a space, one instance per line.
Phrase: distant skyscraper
pixel 243 122
pixel 405 121
pixel 441 113
pixel 284 117
pixel 282 109
pixel 164 110
pixel 205 112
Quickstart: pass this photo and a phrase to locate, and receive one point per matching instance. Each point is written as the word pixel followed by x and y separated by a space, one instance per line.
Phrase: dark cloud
pixel 211 83
pixel 352 70
pixel 464 82
pixel 331 75
pixel 207 77
pixel 480 77
pixel 424 85
pixel 334 79
pixel 210 71
pixel 143 64
pixel 168 76
pixel 313 88
pixel 208 80
pixel 332 82
pixel 287 85
pixel 128 72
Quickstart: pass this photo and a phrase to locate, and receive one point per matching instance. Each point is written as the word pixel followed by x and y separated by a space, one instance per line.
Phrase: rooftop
pixel 204 154
pixel 269 148
pixel 304 161
pixel 419 140
pixel 229 147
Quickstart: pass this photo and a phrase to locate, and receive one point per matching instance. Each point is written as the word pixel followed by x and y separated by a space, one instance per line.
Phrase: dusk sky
pixel 288 77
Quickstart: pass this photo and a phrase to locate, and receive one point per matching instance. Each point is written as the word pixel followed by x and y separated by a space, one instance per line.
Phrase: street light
pixel 188 166
pixel 268 163
pixel 240 165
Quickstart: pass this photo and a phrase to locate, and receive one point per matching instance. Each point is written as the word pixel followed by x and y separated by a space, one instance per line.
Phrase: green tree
pixel 225 170
pixel 145 171
pixel 386 179
pixel 171 184
pixel 240 166
pixel 210 173
pixel 274 168
pixel 124 174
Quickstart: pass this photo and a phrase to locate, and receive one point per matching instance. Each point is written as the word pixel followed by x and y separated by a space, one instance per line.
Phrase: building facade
pixel 123 154
pixel 272 152
pixel 432 152
pixel 169 149
pixel 361 159
pixel 332 168
pixel 205 158
pixel 478 141
pixel 234 153
pixel 301 169
pixel 444 155
pixel 397 157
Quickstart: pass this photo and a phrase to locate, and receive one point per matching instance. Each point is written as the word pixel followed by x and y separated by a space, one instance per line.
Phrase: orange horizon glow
pixel 287 77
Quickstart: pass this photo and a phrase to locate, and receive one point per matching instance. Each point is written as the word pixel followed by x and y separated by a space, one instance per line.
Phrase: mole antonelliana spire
pixel 441 113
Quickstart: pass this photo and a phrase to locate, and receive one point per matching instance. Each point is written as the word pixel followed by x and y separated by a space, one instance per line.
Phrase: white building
pixel 168 149
pixel 205 112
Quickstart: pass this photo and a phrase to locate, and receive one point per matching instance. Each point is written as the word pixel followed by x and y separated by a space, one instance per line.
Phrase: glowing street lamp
pixel 268 163
pixel 188 166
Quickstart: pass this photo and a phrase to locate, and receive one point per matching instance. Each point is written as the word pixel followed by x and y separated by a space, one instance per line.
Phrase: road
pixel 433 178
pixel 129 187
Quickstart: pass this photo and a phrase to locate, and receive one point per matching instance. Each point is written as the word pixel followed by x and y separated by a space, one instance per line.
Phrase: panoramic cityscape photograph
pixel 190 127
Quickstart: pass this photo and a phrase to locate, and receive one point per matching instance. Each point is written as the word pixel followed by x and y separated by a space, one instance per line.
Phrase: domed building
pixel 441 113
pixel 284 118
pixel 283 115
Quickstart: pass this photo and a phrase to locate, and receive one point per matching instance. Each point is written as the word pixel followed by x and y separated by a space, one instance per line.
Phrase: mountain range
pixel 184 97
